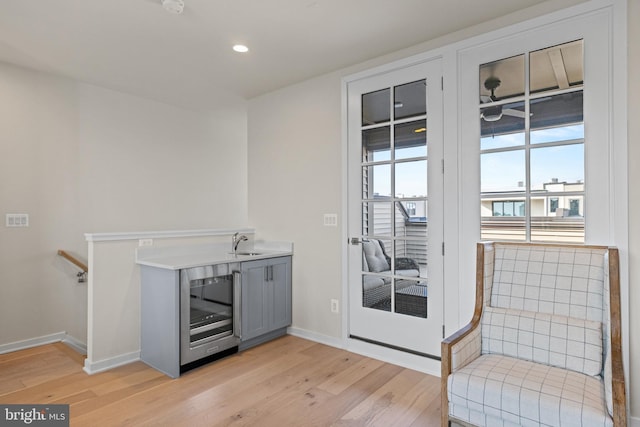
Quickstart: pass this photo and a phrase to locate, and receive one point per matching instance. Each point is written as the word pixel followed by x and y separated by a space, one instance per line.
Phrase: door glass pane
pixel 499 120
pixel 411 218
pixel 556 67
pixel 374 292
pixel 561 219
pixel 376 107
pixel 411 179
pixel 410 100
pixel 558 134
pixel 411 297
pixel 376 282
pixel 376 144
pixel 377 178
pixel 557 110
pixel 411 258
pixel 502 171
pixel 557 169
pixel 410 139
pixel 502 79
pixel 376 218
pixel 502 141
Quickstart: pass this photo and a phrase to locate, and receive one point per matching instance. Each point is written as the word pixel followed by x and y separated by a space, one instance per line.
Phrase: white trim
pixel 620 181
pixel 344 188
pixel 63 337
pixel 32 342
pixel 316 337
pixel 396 357
pixel 384 354
pixel 635 421
pixel 75 344
pixel 134 235
pixel 113 362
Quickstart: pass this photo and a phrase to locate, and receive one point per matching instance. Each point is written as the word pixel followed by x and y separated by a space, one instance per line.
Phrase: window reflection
pixel 410 139
pixel 549 111
pixel 557 168
pixel 532 159
pixel 410 100
pixel 556 67
pixel 502 119
pixel 375 107
pixel 377 180
pixel 411 179
pixel 502 171
pixel 502 79
pixel 375 218
pixel 376 144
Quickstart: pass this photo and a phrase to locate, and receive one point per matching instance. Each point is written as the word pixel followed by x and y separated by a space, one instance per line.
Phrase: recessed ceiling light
pixel 240 48
pixel 173 6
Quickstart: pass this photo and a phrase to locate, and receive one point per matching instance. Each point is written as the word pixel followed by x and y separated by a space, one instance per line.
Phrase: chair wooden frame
pixel 618 385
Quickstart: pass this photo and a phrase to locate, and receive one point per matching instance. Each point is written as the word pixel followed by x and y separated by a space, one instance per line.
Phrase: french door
pixel 395 221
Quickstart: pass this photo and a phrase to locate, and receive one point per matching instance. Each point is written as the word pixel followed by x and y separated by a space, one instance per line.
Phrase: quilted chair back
pixel 547 304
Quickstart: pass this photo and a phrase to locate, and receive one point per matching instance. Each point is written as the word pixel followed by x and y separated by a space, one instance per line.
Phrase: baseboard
pixel 396 357
pixel 32 342
pixel 75 344
pixel 316 337
pixel 634 421
pixel 113 362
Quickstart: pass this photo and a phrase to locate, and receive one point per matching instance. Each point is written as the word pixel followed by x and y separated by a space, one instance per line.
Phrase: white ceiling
pixel 137 47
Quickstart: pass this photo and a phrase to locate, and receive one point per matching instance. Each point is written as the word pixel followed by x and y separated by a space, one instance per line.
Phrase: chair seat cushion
pixel 521 392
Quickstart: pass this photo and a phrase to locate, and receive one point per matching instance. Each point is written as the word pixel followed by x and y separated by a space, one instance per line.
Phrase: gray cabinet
pixel 160 319
pixel 266 300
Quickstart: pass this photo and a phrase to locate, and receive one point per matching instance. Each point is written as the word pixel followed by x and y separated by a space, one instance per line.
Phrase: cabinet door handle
pixel 266 274
pixel 237 300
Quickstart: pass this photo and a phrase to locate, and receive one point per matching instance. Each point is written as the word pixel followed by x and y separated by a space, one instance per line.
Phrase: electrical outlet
pixel 145 242
pixel 335 306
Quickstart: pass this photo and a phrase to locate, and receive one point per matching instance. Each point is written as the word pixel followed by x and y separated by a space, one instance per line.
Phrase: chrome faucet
pixel 235 241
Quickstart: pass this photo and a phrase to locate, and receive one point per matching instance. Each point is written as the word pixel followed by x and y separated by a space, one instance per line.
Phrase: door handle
pixel 357 241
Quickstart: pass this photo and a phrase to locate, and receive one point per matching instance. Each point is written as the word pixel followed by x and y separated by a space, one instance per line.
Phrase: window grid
pixel 572 198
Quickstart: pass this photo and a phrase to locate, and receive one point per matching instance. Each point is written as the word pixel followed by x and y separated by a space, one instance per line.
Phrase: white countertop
pixel 178 257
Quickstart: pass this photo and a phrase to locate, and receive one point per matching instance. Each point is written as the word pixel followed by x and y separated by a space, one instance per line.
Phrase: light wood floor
pixel 287 382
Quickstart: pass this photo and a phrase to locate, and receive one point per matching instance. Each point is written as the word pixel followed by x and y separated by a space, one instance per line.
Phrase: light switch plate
pixel 17 220
pixel 335 306
pixel 330 220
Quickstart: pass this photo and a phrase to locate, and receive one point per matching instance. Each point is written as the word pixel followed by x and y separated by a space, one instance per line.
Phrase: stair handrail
pixel 73 260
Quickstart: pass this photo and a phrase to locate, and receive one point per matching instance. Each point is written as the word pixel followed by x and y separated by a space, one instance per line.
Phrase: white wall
pixel 78 158
pixel 295 177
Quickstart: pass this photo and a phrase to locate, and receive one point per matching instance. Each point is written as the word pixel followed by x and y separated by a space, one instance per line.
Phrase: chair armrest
pixel 617 369
pixel 462 347
pixel 457 351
